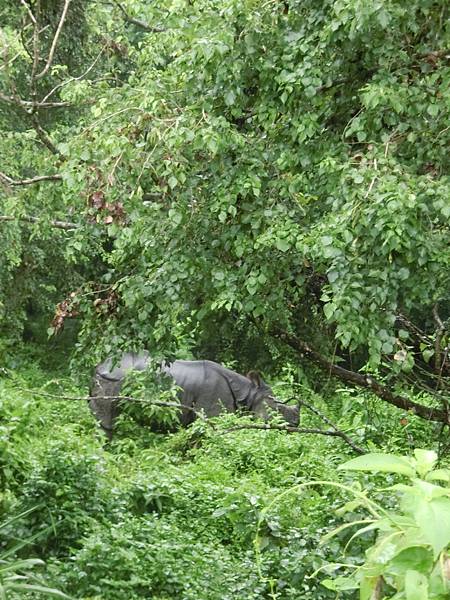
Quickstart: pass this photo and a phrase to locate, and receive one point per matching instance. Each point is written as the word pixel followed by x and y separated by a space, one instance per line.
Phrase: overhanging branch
pixel 138 22
pixel 29 104
pixel 289 429
pixel 57 224
pixel 263 426
pixel 365 381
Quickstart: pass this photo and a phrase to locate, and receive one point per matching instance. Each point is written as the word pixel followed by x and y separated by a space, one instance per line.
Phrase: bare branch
pixel 38 179
pixel 413 329
pixel 289 429
pixel 28 219
pixel 328 421
pixel 30 104
pixel 55 40
pixel 43 136
pixel 36 54
pixel 262 426
pixel 32 17
pixel 138 22
pixel 440 330
pixel 118 398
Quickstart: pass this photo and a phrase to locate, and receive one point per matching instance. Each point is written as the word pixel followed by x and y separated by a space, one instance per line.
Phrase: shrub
pixel 410 558
pixel 149 557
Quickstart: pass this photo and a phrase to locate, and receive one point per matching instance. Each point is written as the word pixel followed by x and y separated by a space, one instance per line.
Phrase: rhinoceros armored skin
pixel 204 386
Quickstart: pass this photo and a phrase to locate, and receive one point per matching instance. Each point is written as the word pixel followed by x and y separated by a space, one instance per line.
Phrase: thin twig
pixel 60 85
pixel 330 423
pixel 44 137
pixel 440 329
pixel 290 429
pixel 32 17
pixel 112 398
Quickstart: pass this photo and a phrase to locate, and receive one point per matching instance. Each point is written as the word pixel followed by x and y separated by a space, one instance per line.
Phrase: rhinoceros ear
pixel 254 377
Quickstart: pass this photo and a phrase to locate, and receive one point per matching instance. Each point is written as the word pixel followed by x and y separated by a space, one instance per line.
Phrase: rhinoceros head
pixel 263 401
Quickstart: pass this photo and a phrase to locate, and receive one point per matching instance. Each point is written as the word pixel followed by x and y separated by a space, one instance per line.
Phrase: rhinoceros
pixel 204 386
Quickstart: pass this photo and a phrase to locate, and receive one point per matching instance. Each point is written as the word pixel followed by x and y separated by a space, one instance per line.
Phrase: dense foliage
pixel 264 183
pixel 176 516
pixel 216 174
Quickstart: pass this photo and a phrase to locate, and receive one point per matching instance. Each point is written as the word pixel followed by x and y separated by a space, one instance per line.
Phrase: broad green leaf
pixel 332 276
pixel 340 584
pixel 426 459
pixel 433 519
pixel 379 463
pixel 282 245
pixel 172 181
pixel 416 586
pixel 439 475
pixel 368 587
pixel 417 558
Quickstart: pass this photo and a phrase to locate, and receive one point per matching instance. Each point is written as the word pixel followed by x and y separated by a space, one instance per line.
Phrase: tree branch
pixel 128 398
pixel 30 14
pixel 55 40
pixel 440 330
pixel 43 136
pixel 44 101
pixel 138 22
pixel 328 421
pixel 413 329
pixel 290 429
pixel 38 179
pixel 365 381
pixel 28 219
pixel 287 428
pixel 29 104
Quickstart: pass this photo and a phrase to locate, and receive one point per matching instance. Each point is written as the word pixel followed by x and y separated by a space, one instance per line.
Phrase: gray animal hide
pixel 204 386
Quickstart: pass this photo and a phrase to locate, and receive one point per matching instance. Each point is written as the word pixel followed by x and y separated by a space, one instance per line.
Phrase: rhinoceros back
pixel 209 387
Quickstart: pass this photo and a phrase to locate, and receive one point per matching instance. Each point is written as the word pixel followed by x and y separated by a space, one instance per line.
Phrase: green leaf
pixel 340 584
pixel 329 309
pixel 383 18
pixel 282 244
pixel 172 181
pixel 418 558
pixel 379 463
pixel 332 276
pixel 439 475
pixel 416 586
pixel 426 459
pixel 230 98
pixel 175 216
pixel 368 586
pixel 433 519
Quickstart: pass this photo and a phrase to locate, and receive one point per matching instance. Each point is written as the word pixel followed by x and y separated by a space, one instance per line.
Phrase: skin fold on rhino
pixel 204 386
